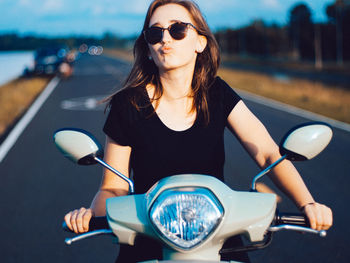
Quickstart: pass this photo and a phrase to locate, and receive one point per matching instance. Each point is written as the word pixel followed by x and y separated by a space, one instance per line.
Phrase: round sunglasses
pixel 177 31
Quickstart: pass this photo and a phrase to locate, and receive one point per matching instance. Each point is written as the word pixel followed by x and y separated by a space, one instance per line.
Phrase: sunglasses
pixel 177 31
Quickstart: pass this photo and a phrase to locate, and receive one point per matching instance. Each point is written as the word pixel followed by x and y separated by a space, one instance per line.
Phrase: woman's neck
pixel 177 84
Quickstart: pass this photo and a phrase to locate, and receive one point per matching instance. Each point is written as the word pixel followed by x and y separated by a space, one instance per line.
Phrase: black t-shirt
pixel 158 151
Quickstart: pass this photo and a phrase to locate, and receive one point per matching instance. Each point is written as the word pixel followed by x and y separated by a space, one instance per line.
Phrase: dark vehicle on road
pixel 49 60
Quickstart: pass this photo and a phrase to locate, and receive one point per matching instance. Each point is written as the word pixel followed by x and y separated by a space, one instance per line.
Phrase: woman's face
pixel 169 53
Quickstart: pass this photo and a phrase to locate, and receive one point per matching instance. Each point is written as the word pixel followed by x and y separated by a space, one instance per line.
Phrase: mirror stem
pixel 265 171
pixel 128 180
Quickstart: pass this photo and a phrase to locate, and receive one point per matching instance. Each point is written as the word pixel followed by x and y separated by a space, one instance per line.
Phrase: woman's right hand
pixel 78 220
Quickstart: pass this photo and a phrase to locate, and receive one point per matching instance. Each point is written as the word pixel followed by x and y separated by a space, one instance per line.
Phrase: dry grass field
pixel 333 102
pixel 16 96
pixel 126 55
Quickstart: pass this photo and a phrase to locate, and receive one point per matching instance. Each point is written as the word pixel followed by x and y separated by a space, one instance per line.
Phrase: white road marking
pixel 293 110
pixel 85 103
pixel 27 118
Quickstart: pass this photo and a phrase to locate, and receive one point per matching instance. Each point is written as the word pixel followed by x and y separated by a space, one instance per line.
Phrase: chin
pixel 167 65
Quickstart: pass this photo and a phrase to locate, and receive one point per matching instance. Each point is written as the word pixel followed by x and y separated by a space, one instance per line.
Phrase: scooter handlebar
pixel 97 226
pixel 95 223
pixel 294 222
pixel 295 219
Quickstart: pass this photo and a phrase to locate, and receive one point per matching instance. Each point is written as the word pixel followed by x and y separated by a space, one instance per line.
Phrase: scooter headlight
pixel 186 216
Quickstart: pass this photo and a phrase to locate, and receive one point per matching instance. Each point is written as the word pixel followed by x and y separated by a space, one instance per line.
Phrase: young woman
pixel 170 117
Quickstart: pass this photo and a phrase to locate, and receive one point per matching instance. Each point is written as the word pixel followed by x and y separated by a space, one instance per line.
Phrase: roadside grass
pixel 16 96
pixel 124 54
pixel 330 101
pixel 308 66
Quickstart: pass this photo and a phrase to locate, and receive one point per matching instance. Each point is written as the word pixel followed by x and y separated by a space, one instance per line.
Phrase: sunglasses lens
pixel 153 35
pixel 178 31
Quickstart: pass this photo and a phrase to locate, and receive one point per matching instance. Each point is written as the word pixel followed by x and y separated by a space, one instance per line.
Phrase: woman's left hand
pixel 319 215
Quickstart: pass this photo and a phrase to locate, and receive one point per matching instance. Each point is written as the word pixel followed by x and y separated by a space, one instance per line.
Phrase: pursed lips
pixel 165 50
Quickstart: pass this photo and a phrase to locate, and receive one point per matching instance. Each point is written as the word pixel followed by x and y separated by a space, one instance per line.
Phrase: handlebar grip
pixel 99 222
pixel 296 219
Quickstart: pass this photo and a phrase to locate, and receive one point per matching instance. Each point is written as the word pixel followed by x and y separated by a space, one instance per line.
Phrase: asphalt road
pixel 38 185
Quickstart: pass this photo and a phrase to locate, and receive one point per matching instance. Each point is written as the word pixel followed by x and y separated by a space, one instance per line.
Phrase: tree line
pixel 13 41
pixel 300 39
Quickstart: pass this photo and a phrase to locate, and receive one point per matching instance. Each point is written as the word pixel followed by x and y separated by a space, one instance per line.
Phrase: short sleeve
pixel 117 125
pixel 230 97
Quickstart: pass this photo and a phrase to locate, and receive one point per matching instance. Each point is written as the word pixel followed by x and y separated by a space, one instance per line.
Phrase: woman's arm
pixel 118 157
pixel 257 141
pixel 112 185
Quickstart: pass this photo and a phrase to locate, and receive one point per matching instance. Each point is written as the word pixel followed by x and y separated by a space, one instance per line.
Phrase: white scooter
pixel 193 215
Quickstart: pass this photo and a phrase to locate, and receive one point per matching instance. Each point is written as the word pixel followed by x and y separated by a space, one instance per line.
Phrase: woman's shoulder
pixel 128 97
pixel 219 83
pixel 123 95
pixel 130 103
pixel 223 94
pixel 221 88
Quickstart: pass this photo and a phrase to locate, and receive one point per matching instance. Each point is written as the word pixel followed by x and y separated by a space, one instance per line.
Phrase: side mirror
pixel 301 143
pixel 81 147
pixel 305 141
pixel 78 145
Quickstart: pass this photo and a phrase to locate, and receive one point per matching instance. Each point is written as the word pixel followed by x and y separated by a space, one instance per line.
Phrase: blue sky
pixel 125 17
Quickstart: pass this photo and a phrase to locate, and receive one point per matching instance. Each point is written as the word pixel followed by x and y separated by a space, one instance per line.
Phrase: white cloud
pixel 114 7
pixel 24 3
pixel 52 6
pixel 216 5
pixel 97 10
pixel 134 6
pixel 273 4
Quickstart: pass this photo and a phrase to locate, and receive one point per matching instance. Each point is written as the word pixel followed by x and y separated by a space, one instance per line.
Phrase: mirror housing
pixel 78 145
pixel 306 141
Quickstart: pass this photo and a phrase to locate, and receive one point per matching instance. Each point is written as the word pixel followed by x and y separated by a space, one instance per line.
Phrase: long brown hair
pixel 144 70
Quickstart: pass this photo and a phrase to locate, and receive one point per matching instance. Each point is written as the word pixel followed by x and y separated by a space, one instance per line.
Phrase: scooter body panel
pixel 244 213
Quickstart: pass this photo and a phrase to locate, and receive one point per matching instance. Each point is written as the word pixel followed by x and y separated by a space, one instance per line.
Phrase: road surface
pixel 38 185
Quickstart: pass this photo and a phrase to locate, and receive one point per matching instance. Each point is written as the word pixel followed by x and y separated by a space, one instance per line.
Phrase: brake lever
pixel 69 241
pixel 99 225
pixel 321 233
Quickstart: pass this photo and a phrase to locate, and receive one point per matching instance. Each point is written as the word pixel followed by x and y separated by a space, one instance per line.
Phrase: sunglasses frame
pixel 169 30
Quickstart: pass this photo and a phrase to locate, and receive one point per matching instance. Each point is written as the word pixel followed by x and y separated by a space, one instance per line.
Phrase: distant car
pixel 47 60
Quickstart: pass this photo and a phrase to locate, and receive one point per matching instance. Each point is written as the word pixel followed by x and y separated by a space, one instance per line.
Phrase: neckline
pixel 154 113
pixel 172 130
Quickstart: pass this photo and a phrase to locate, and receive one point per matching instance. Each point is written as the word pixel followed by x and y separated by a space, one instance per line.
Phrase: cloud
pixel 52 6
pixel 217 6
pixel 271 4
pixel 24 3
pixel 109 7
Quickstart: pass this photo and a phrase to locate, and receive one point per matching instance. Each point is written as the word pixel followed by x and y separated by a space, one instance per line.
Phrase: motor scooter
pixel 192 214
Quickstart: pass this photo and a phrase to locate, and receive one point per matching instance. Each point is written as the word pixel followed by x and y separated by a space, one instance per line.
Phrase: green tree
pixel 301 32
pixel 339 16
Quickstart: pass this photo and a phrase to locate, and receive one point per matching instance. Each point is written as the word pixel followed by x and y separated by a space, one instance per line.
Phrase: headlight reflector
pixel 186 216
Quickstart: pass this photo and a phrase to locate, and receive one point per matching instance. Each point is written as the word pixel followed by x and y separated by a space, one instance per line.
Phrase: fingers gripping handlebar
pixel 295 222
pixel 97 226
pixel 96 223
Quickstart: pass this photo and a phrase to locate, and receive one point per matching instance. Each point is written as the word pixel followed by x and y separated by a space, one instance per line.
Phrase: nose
pixel 166 36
